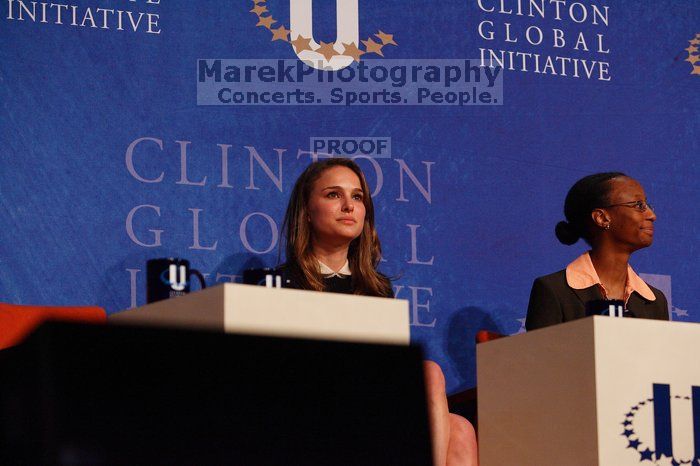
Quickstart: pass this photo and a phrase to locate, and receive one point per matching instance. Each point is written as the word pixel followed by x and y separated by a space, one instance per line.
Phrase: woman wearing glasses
pixel 610 212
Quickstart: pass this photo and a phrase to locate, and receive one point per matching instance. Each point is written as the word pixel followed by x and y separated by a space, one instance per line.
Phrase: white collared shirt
pixel 328 272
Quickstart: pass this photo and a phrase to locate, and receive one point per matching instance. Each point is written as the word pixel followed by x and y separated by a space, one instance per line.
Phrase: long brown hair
pixel 364 252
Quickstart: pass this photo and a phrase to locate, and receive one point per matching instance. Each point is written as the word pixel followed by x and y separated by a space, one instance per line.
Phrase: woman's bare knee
pixel 434 378
pixel 462 449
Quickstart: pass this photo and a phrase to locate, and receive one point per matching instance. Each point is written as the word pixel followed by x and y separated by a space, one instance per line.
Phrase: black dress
pixel 334 283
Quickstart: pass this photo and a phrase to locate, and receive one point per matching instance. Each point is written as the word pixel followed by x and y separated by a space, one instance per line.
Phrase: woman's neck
pixel 333 256
pixel 611 267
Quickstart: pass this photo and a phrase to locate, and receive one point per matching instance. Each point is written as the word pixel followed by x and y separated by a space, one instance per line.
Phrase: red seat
pixel 17 321
pixel 482 336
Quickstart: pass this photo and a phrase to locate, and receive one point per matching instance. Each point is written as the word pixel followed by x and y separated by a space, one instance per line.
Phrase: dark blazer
pixel 553 301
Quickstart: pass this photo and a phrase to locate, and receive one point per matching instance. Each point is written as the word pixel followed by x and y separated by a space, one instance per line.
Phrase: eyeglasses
pixel 641 206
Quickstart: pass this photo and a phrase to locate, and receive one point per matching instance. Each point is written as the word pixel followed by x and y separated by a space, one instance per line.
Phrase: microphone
pixel 608 307
pixel 263 276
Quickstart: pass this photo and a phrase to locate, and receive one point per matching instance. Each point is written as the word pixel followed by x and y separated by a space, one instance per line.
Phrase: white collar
pixel 328 272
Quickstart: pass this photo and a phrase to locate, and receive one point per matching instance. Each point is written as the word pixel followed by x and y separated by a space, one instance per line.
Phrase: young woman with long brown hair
pixel 332 245
pixel 331 240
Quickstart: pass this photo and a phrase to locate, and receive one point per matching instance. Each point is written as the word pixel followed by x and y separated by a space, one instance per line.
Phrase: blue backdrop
pixel 108 160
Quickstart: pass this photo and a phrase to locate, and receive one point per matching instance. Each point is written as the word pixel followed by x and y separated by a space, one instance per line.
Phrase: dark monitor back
pixel 83 394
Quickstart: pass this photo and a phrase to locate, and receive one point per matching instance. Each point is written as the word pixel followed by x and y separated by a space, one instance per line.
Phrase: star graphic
pixel 327 50
pixel 627 423
pixel 633 444
pixel 301 43
pixel 635 408
pixel 691 49
pixel 266 21
pixel 694 42
pixel 373 47
pixel 351 50
pixel 281 33
pixel 259 9
pixel 642 403
pixel 696 69
pixel 627 432
pixel 630 414
pixel 387 39
pixel 645 455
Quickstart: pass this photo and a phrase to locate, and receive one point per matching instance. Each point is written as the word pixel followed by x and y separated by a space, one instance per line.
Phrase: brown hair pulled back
pixel 586 194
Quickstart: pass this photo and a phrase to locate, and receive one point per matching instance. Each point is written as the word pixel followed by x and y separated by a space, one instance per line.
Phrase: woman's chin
pixel 339 237
pixel 645 243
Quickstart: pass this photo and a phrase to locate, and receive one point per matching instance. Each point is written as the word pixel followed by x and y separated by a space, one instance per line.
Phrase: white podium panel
pixel 280 312
pixel 599 391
